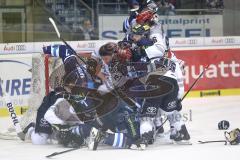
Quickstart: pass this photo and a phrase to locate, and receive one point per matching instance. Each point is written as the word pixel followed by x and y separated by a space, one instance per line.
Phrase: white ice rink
pixel 206 113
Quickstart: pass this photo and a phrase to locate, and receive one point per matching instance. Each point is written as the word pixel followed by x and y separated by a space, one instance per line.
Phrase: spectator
pixel 220 4
pixel 166 8
pixel 133 4
pixel 215 4
pixel 173 2
pixel 88 30
pixel 170 8
pixel 138 5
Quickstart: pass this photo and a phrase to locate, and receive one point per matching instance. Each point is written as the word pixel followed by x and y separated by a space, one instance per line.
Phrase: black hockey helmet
pixel 223 125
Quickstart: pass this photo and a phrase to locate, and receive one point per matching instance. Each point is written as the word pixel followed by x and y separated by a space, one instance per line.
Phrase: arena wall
pixel 222 54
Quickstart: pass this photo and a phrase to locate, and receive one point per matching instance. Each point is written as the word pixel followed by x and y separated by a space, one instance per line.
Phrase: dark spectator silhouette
pixel 88 30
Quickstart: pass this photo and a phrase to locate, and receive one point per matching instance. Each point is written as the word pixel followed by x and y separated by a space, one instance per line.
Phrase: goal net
pixel 42 68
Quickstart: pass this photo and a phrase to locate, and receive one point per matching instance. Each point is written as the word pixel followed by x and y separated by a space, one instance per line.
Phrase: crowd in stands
pixel 215 4
pixel 85 29
pixel 168 7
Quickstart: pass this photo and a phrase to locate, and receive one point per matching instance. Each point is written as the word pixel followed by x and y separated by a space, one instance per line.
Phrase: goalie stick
pixel 13 115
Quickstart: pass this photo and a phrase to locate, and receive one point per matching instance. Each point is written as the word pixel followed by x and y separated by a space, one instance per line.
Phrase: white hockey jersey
pixel 160 49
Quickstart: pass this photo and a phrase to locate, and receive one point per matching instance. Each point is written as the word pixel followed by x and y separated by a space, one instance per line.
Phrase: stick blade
pixel 51 155
pixel 55 26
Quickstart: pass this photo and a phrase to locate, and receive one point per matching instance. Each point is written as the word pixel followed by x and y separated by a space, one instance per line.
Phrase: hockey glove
pixel 233 137
pixel 91 66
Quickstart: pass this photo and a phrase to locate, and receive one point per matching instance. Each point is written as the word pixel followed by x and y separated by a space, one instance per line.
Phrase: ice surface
pixel 206 113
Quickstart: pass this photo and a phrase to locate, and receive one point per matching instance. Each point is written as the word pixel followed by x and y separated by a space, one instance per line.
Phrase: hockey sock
pixel 175 120
pixel 117 140
pixel 82 130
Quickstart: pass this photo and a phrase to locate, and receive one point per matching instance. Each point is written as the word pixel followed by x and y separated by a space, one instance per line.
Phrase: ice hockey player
pixel 120 129
pixel 57 121
pixel 136 6
pixel 149 35
pixel 124 125
pixel 88 67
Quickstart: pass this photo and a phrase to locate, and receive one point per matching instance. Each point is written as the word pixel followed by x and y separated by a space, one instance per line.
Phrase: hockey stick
pixel 60 37
pixel 206 68
pixel 58 153
pixel 203 142
pixel 73 51
pixel 159 127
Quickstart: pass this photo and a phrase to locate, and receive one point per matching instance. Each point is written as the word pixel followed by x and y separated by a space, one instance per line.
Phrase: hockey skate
pixel 140 144
pixel 146 139
pixel 95 137
pixel 180 137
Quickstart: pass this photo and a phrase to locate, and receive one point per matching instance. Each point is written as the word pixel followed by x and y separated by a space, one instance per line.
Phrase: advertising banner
pixel 15 74
pixel 111 26
pixel 93 46
pixel 222 53
pixel 192 25
pixel 223 72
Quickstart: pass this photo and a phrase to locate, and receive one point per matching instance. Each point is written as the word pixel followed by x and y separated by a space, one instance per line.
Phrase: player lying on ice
pixel 57 121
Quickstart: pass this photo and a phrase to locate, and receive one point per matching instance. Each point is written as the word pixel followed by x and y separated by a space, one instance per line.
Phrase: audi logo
pixel 229 40
pixel 91 45
pixel 20 47
pixel 192 41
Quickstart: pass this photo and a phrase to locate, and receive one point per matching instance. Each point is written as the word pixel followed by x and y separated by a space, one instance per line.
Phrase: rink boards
pixel 221 78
